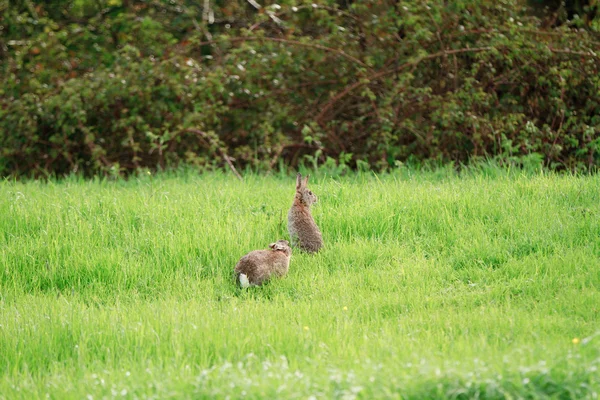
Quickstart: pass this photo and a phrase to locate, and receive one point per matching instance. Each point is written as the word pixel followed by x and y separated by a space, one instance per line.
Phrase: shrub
pixel 120 86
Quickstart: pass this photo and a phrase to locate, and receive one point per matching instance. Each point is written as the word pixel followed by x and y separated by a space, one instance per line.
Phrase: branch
pixel 414 63
pixel 292 42
pixel 224 155
pixel 561 34
pixel 577 53
pixel 442 46
pixel 276 157
pixel 388 72
pixel 270 13
pixel 32 10
pixel 295 9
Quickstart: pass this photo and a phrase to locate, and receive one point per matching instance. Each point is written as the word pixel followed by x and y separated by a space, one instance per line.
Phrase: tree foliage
pixel 116 86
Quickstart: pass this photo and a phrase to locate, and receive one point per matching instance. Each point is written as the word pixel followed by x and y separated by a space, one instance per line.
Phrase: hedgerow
pixel 119 86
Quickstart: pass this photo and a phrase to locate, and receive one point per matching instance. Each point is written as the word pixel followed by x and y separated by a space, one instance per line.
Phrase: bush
pixel 119 86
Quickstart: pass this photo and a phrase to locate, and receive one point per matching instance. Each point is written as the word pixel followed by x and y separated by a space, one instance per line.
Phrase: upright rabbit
pixel 304 232
pixel 258 266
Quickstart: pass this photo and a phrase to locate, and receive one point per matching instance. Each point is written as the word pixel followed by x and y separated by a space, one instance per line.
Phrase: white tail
pixel 244 282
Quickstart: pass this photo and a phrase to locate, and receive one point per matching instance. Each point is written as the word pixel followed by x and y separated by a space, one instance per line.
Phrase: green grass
pixel 430 285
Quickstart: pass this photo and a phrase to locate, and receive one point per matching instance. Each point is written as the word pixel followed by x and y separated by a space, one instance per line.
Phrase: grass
pixel 431 285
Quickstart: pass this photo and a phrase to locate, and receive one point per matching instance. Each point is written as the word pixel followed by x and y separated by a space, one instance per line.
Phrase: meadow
pixel 430 285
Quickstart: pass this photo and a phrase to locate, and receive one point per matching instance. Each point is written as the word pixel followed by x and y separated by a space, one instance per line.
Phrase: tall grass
pixel 430 285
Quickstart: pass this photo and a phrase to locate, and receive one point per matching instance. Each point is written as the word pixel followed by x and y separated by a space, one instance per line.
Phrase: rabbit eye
pixel 309 192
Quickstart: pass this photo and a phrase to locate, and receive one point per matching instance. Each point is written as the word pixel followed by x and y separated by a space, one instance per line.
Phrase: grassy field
pixel 430 285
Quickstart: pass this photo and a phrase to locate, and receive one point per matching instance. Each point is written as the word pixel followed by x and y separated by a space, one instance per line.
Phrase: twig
pixel 92 146
pixel 572 52
pixel 224 155
pixel 32 10
pixel 292 42
pixel 388 72
pixel 414 63
pixel 207 13
pixel 437 31
pixel 276 157
pixel 301 146
pixel 208 18
pixel 530 31
pixel 442 46
pixel 331 9
pixel 254 4
pixel 375 109
pixel 455 71
pixel 270 13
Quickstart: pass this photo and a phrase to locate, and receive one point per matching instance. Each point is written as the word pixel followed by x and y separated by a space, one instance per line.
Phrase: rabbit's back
pixel 303 230
pixel 259 265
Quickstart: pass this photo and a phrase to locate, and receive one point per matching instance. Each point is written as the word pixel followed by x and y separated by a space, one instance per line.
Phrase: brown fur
pixel 304 232
pixel 260 265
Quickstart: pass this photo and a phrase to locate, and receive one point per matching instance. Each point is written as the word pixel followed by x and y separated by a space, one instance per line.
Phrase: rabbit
pixel 258 266
pixel 304 232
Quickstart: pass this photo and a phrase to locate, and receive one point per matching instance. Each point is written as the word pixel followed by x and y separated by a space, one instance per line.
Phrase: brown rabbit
pixel 257 266
pixel 304 232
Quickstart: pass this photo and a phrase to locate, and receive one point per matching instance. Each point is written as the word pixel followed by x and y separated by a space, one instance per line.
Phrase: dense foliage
pixel 116 86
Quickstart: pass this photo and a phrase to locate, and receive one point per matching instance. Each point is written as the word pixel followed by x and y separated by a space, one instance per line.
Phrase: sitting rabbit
pixel 304 232
pixel 257 266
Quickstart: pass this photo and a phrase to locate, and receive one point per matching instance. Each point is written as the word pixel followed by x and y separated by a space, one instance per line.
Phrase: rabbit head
pixel 281 245
pixel 303 194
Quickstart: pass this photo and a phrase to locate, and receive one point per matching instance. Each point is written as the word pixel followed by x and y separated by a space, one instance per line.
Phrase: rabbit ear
pixel 276 246
pixel 305 181
pixel 298 180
